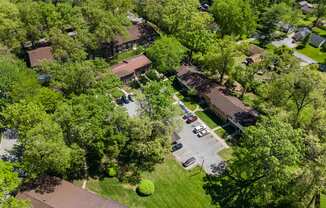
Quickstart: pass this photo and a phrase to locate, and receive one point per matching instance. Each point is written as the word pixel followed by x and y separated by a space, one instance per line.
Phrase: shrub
pixel 112 171
pixel 145 187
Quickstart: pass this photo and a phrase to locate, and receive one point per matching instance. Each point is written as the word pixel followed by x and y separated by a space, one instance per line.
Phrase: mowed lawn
pixel 314 53
pixel 323 201
pixel 211 120
pixel 174 187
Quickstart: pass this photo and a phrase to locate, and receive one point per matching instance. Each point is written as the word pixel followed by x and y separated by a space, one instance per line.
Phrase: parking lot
pixel 204 149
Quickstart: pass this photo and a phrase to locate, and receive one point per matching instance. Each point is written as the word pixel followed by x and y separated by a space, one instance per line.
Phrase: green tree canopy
pixel 234 17
pixel 166 54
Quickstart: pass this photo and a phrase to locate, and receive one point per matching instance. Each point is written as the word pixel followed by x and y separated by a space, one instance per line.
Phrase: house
pixel 306 7
pixel 38 55
pixel 301 34
pixel 317 41
pixel 130 68
pixel 254 54
pixel 56 193
pixel 321 23
pixel 227 107
pixel 285 27
pixel 137 34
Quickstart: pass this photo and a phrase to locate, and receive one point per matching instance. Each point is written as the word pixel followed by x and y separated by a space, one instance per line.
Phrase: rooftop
pixel 57 193
pixel 134 32
pixel 36 56
pixel 130 66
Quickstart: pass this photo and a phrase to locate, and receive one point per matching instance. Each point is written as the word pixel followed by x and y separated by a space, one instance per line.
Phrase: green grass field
pixel 211 120
pixel 174 187
pixel 226 153
pixel 314 53
pixel 323 201
pixel 319 31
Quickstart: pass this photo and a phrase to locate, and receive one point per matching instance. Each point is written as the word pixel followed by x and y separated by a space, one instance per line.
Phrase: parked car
pixel 202 133
pixel 189 162
pixel 186 116
pixel 119 101
pixel 177 147
pixel 199 128
pixel 191 119
pixel 130 97
pixel 125 99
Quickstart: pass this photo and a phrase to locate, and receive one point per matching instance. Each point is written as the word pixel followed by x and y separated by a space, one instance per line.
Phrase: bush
pixel 112 171
pixel 145 187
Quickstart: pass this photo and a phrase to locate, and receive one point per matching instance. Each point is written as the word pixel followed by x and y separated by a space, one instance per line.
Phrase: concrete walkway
pixel 288 41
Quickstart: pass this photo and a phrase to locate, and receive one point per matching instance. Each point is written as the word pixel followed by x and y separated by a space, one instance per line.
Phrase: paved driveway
pixel 204 149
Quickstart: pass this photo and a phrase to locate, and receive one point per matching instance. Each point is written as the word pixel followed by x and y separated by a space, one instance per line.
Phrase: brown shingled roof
pixel 130 66
pixel 38 55
pixel 134 32
pixel 66 195
pixel 253 50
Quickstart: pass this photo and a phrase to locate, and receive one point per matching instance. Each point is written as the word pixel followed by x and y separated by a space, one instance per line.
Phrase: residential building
pixel 317 41
pixel 255 54
pixel 137 34
pixel 301 34
pixel 38 55
pixel 227 107
pixel 57 193
pixel 306 7
pixel 130 68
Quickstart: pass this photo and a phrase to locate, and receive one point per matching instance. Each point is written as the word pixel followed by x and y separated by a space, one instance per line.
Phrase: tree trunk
pixel 244 90
pixel 317 200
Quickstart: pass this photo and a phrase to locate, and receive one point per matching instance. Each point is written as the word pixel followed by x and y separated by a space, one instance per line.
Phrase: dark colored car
pixel 191 119
pixel 177 147
pixel 125 99
pixel 189 162
pixel 119 101
pixel 186 116
pixel 130 98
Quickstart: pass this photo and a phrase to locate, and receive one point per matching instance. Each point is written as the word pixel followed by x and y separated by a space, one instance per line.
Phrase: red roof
pixel 38 55
pixel 130 66
pixel 63 194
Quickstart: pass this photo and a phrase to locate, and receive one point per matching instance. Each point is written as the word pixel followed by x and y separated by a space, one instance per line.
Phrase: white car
pixel 199 128
pixel 202 133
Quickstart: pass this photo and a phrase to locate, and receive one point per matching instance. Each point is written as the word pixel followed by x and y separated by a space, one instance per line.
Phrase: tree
pixel 166 54
pixel 220 58
pixel 148 144
pixel 78 77
pixel 273 15
pixel 156 103
pixel 11 32
pixel 320 10
pixel 234 17
pixel 195 33
pixel 45 151
pixel 297 91
pixel 264 165
pixel 9 182
pixel 246 76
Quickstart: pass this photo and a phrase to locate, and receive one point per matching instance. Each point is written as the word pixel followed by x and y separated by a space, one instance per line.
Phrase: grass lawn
pixel 211 120
pixel 323 201
pixel 221 132
pixel 174 187
pixel 314 53
pixel 319 31
pixel 226 153
pixel 189 102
